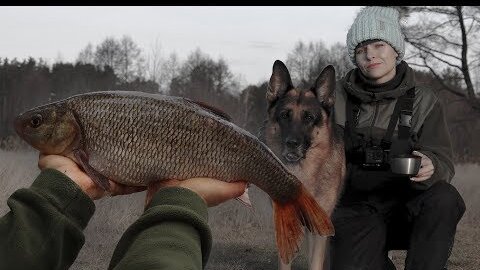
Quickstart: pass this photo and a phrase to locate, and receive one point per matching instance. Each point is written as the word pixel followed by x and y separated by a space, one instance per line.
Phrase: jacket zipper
pixel 375 114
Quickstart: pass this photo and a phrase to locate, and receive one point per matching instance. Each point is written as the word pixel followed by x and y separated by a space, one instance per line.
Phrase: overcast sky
pixel 250 39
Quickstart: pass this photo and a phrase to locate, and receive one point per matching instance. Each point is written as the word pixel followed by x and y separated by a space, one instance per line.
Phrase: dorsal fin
pixel 213 110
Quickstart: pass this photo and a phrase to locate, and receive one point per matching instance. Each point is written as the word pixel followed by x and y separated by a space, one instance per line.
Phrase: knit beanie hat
pixel 376 22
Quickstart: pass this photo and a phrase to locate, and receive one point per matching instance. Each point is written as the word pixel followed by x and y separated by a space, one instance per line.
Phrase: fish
pixel 136 138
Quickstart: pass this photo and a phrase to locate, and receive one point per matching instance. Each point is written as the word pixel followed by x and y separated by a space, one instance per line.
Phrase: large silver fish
pixel 136 138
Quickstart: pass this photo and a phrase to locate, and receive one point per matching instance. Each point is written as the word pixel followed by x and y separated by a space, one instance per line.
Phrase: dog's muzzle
pixel 293 155
pixel 293 149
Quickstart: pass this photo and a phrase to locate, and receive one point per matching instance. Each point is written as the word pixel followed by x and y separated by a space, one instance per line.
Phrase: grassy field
pixel 243 238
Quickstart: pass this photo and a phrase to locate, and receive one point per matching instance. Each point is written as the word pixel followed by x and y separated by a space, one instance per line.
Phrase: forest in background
pixel 442 48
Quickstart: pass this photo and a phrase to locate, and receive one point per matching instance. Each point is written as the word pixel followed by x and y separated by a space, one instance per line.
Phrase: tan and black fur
pixel 301 131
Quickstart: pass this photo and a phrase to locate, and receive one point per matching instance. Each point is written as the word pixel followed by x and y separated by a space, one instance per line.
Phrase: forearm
pixel 43 229
pixel 172 233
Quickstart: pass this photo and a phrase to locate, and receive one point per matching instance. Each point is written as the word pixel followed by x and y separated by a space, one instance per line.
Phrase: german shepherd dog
pixel 301 131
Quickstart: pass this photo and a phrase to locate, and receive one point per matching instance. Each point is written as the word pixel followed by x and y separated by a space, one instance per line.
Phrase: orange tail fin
pixel 290 217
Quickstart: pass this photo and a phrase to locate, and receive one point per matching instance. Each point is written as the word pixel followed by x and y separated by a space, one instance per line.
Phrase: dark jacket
pixel 431 136
pixel 44 229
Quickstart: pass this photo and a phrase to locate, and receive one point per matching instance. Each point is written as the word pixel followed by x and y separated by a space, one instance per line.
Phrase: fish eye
pixel 36 120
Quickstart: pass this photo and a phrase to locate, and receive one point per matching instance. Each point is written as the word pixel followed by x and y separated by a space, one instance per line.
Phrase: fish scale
pixel 136 138
pixel 175 139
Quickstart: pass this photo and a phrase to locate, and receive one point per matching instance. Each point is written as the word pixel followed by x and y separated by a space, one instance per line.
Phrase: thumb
pixel 215 191
pixel 416 153
pixel 236 189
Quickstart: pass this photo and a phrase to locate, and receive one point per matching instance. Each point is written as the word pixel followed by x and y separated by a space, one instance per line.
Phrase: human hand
pixel 212 191
pixel 426 168
pixel 67 166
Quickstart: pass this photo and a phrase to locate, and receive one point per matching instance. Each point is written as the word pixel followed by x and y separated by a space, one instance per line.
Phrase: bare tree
pixel 306 61
pixel 131 61
pixel 204 79
pixel 162 69
pixel 303 59
pixel 107 53
pixel 446 37
pixel 154 61
pixel 254 108
pixel 86 56
pixel 224 80
pixel 169 69
pixel 59 58
pixel 124 56
pixel 338 57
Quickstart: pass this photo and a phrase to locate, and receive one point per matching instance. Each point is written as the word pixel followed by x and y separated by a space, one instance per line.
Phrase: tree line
pixel 120 64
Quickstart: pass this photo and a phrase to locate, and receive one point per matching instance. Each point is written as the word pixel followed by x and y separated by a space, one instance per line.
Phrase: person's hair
pixel 366 42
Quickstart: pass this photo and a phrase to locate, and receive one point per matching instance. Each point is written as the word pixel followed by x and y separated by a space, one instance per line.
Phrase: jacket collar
pixel 357 85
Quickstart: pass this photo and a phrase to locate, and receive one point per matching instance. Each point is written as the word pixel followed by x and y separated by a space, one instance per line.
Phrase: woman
pixel 385 113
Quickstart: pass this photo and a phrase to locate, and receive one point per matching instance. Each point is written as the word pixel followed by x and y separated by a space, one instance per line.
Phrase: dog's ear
pixel 325 86
pixel 280 81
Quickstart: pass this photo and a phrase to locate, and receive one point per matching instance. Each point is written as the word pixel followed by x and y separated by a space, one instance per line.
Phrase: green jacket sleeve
pixel 172 233
pixel 434 141
pixel 43 229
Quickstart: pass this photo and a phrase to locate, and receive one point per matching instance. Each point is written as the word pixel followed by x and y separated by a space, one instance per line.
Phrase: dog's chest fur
pixel 322 170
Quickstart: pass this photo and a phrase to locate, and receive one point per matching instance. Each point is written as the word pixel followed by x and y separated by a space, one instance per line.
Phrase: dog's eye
pixel 309 117
pixel 284 115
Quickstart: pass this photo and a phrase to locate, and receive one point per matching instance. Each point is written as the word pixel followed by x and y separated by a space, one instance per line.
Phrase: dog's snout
pixel 292 143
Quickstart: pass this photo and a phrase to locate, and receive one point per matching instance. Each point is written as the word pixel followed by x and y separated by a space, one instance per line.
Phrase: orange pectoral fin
pixel 289 219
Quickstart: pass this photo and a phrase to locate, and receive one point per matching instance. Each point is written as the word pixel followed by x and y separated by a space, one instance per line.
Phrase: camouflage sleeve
pixel 172 233
pixel 43 229
pixel 434 141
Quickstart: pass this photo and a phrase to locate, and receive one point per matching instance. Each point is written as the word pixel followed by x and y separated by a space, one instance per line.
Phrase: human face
pixel 377 61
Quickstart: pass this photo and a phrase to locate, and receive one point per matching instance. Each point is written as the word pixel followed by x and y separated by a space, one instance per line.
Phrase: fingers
pixel 231 190
pixel 213 191
pixel 423 175
pixel 41 161
pixel 426 161
pixel 416 153
pixel 419 179
pixel 54 161
pixel 120 189
pixel 426 168
pixel 45 161
pixel 153 187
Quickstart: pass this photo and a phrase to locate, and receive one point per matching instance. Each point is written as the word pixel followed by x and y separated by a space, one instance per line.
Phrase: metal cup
pixel 405 164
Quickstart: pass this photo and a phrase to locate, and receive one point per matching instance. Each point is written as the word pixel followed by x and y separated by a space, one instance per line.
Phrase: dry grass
pixel 243 238
pixel 17 170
